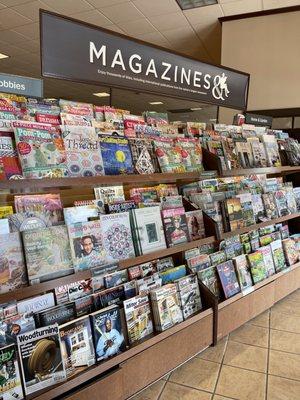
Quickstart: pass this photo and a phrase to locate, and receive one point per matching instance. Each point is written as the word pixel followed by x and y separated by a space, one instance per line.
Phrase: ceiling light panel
pixel 189 4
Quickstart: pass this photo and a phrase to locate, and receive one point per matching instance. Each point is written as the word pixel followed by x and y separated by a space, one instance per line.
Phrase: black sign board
pixel 255 119
pixel 81 52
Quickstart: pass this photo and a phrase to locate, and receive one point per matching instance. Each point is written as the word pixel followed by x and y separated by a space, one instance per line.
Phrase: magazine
pixel 290 251
pixel 138 318
pixel 257 266
pixel 116 236
pixel 11 387
pixel 243 273
pixel 13 271
pixel 116 156
pixel 83 213
pixel 209 278
pixel 40 357
pixel 86 245
pixel 228 279
pixel 268 259
pixel 107 332
pixel 195 224
pixel 175 225
pixel 278 255
pixel 9 156
pixel 77 345
pixel 47 253
pixel 189 295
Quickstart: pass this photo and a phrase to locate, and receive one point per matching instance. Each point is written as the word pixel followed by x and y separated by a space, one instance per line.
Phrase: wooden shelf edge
pixel 34 290
pixel 257 171
pixel 259 225
pixel 100 180
pixel 96 370
pixel 258 286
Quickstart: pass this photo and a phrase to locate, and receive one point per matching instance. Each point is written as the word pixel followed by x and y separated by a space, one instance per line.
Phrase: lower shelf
pixel 140 365
pixel 238 310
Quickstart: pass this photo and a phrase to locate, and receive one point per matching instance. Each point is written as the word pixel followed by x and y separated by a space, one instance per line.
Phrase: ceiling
pixel 195 32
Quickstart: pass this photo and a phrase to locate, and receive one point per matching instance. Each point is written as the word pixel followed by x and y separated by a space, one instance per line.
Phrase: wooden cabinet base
pixel 287 283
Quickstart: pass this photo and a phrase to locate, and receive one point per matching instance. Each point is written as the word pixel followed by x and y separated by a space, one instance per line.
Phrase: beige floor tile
pixel 261 320
pixel 295 295
pixel 285 341
pixel 284 364
pixel 241 384
pixel 172 391
pixel 197 373
pixel 151 393
pixel 214 353
pixel 166 377
pixel 217 397
pixel 285 322
pixel 245 356
pixel 287 306
pixel 251 334
pixel 283 389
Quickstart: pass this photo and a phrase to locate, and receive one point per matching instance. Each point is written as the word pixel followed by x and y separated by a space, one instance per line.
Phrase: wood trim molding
pixel 272 11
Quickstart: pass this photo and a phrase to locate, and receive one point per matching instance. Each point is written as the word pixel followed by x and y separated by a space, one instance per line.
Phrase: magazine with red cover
pixel 175 225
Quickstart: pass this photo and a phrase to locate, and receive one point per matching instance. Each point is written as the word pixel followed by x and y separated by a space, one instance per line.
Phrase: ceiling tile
pixel 267 4
pixel 173 20
pixel 104 3
pixel 31 31
pixel 10 19
pixel 33 46
pixel 31 10
pixel 68 6
pixel 156 7
pixel 204 15
pixel 11 3
pixel 2 6
pixel 122 12
pixel 181 36
pixel 241 7
pixel 198 51
pixel 138 27
pixel 226 1
pixel 12 37
pixel 211 37
pixel 11 50
pixel 155 38
pixel 93 17
pixel 115 28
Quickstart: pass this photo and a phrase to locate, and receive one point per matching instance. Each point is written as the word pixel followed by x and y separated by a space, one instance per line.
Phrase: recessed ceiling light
pixel 101 94
pixel 188 4
pixel 153 103
pixel 3 56
pixel 196 108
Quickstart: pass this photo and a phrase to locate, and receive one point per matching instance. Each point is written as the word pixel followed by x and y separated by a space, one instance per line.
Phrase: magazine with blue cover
pixel 228 279
pixel 116 156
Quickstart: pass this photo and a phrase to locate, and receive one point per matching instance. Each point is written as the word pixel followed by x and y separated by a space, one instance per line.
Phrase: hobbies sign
pixel 80 52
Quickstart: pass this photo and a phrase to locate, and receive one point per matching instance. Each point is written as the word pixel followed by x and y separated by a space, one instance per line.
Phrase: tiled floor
pixel 259 361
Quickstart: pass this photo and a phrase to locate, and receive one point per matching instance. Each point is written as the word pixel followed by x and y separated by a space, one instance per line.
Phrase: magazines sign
pixel 21 85
pixel 88 54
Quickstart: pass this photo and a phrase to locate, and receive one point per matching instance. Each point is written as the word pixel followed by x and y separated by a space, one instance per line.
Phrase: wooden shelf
pixel 91 181
pixel 284 170
pixel 95 371
pixel 39 288
pixel 259 225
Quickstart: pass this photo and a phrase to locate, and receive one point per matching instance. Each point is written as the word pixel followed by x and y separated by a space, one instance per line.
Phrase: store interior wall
pixel 268 48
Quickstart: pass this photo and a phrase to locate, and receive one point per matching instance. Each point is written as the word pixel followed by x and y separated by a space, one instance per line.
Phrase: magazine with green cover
pixel 278 255
pixel 257 266
pixel 209 278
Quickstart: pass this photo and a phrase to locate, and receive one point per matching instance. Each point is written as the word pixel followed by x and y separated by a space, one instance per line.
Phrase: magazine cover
pixel 175 224
pixel 169 158
pixel 144 159
pixel 257 266
pixel 209 278
pixel 116 156
pixel 290 251
pixel 107 332
pixel 247 208
pixel 120 207
pixel 77 345
pixel 116 236
pixel 145 285
pixel 84 305
pixel 166 307
pixel 35 304
pixel 5 211
pixel 198 262
pixel 191 152
pixel 148 229
pixel 56 315
pixel 86 245
pixel 281 203
pixel 270 205
pixel 217 257
pixel 290 200
pixel 41 150
pixel 142 270
pixel 278 255
pixel 259 154
pixel 14 325
pixel 110 194
pixel 47 253
pixel 228 279
pixel 108 297
pixel 116 278
pixel 82 150
pixel 272 151
pixel 245 154
pixel 258 207
pixel 49 203
pixel 189 295
pixel 86 213
pixel 12 265
pixel 41 360
pixel 235 215
pixel 163 264
pixel 243 272
pixel 10 384
pixel 9 156
pixel 29 220
pixel 195 224
pixel 98 274
pixel 138 318
pixel 268 259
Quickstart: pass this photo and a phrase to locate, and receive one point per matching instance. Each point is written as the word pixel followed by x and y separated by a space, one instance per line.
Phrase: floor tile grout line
pixel 249 344
pixel 221 366
pixel 191 387
pixel 282 330
pixel 268 356
pixel 162 389
pixel 284 377
pixel 246 369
